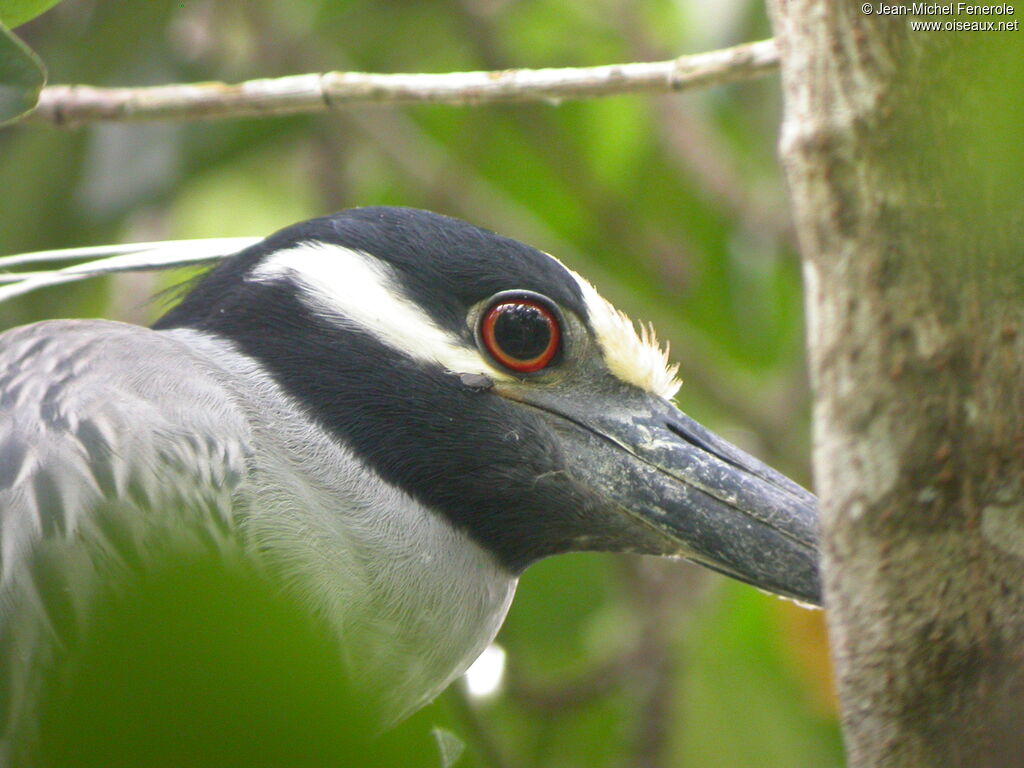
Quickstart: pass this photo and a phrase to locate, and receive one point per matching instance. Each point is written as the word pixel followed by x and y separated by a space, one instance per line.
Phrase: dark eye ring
pixel 521 332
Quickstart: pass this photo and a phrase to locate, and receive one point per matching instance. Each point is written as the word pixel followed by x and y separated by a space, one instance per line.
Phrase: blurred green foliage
pixel 672 205
pixel 15 12
pixel 21 77
pixel 200 660
pixel 196 664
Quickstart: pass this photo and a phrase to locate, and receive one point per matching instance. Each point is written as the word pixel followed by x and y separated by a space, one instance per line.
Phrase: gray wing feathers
pixel 95 411
pixel 114 439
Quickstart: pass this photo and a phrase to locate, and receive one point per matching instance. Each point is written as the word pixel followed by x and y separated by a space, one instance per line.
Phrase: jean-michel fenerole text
pixel 937 9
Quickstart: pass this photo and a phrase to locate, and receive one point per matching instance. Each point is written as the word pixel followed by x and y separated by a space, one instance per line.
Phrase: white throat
pixel 412 600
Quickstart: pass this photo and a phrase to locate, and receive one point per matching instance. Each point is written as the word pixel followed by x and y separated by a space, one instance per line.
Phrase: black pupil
pixel 521 331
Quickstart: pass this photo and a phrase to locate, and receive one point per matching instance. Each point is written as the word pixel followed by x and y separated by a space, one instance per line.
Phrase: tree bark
pixel 903 154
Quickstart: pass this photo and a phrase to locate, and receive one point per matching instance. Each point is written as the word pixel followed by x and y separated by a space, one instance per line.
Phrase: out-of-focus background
pixel 673 205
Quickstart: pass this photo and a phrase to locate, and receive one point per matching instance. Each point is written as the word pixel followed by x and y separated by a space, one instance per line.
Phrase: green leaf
pixel 22 76
pixel 15 12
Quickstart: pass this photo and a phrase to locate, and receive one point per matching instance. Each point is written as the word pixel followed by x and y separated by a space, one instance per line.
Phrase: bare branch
pixel 73 104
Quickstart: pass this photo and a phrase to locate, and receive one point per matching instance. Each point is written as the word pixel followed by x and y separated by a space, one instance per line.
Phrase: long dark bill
pixel 709 501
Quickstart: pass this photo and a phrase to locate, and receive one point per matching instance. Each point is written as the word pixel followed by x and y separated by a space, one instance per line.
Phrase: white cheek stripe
pixel 358 287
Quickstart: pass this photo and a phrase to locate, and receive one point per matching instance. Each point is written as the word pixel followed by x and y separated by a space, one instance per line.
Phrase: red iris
pixel 521 334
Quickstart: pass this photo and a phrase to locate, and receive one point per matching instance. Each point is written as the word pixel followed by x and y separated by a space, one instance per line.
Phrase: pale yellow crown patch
pixel 632 355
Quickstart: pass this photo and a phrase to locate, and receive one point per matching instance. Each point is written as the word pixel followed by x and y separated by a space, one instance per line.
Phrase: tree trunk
pixel 903 152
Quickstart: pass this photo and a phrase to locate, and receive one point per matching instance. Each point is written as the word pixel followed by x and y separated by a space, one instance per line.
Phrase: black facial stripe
pixel 465 453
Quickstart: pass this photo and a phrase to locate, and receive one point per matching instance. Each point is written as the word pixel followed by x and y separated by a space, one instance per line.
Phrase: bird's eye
pixel 522 334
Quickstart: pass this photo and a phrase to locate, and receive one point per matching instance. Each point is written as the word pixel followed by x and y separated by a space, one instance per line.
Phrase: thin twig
pixel 475 728
pixel 73 104
pixel 562 697
pixel 662 599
